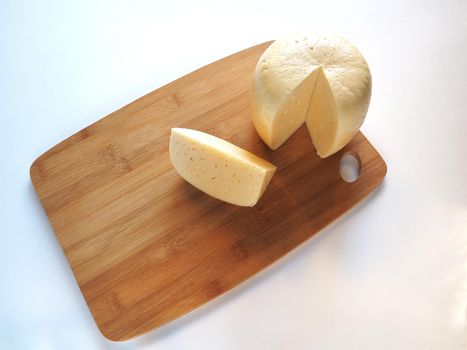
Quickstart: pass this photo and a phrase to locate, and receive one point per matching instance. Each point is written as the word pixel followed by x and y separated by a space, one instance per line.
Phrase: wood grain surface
pixel 144 245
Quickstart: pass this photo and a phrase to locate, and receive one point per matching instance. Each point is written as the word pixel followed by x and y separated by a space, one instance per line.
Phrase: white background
pixel 391 274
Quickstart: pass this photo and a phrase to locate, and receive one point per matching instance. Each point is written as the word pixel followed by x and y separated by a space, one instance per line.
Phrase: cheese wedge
pixel 219 168
pixel 320 79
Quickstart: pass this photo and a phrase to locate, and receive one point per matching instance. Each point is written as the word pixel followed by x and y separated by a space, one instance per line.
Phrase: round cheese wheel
pixel 321 80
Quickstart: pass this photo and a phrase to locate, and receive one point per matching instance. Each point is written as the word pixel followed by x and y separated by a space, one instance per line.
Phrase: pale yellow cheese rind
pixel 219 168
pixel 321 79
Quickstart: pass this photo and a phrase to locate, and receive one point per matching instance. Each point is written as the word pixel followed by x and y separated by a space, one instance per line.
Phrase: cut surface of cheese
pixel 219 168
pixel 320 79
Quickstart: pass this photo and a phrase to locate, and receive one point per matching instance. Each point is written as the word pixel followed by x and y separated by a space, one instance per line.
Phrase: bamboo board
pixel 145 246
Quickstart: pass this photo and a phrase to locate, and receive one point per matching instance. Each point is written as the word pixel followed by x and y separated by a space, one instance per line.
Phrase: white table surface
pixel 391 274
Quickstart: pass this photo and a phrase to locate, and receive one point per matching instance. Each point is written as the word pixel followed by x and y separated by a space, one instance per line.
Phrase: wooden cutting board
pixel 144 245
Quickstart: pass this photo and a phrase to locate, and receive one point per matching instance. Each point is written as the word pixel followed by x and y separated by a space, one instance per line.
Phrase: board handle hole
pixel 349 167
